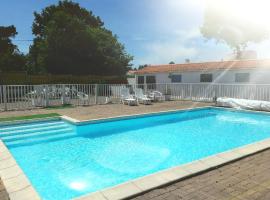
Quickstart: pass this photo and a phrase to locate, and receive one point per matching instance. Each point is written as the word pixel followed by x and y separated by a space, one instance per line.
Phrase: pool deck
pixel 247 178
pixel 3 192
pixel 109 110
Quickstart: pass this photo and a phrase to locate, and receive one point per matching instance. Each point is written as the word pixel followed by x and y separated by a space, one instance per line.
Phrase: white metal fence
pixel 21 97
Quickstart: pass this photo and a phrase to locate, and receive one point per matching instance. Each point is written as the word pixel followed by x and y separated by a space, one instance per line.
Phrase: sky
pixel 153 31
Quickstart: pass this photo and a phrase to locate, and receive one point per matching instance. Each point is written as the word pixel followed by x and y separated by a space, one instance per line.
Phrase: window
pixel 150 79
pixel 151 82
pixel 176 78
pixel 140 79
pixel 206 78
pixel 242 77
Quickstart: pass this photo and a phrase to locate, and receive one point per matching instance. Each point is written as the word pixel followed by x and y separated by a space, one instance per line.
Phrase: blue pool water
pixel 63 161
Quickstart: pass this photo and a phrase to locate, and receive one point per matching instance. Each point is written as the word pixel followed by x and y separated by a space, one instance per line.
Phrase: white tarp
pixel 244 104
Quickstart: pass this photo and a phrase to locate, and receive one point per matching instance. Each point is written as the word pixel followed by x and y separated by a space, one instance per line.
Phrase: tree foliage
pixel 235 31
pixel 10 57
pixel 71 40
pixel 142 66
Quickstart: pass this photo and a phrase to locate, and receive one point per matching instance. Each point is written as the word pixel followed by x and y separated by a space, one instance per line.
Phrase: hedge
pixel 24 79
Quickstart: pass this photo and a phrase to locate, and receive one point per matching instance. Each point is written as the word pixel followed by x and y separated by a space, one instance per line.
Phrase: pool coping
pixel 19 187
pixel 13 178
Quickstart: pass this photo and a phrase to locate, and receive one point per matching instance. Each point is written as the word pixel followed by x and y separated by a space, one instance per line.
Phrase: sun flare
pixel 247 11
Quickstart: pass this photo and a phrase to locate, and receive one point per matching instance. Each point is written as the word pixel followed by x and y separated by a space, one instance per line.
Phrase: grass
pixel 60 107
pixel 28 117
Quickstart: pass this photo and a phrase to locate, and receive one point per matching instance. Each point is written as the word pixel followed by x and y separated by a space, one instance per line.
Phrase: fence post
pixel 219 91
pixel 145 88
pixel 96 93
pixel 46 96
pixel 5 97
pixel 63 95
pixel 190 91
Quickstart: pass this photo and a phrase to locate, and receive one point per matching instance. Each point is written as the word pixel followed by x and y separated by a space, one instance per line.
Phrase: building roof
pixel 131 72
pixel 206 66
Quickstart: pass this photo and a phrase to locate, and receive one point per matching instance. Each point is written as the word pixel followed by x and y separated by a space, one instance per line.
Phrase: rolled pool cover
pixel 243 104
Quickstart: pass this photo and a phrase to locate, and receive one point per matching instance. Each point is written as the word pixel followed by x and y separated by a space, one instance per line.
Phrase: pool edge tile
pixel 252 148
pixel 213 161
pixel 195 167
pixel 174 174
pixel 122 191
pixel 24 194
pixel 14 180
pixel 69 119
pixel 92 196
pixel 229 156
pixel 150 181
pixel 10 172
pixel 7 163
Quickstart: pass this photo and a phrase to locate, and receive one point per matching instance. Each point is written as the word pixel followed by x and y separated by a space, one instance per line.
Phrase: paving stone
pixel 245 179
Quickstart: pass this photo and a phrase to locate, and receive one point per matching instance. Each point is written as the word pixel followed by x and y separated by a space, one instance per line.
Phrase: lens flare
pixel 251 11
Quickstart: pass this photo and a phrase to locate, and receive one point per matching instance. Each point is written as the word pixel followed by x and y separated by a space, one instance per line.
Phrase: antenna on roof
pixel 187 60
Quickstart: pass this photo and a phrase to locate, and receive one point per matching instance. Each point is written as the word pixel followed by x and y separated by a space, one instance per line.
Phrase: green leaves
pixel 10 57
pixel 71 40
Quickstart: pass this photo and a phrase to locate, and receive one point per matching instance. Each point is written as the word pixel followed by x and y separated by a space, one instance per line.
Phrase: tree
pixel 10 57
pixel 71 40
pixel 223 25
pixel 171 63
pixel 142 66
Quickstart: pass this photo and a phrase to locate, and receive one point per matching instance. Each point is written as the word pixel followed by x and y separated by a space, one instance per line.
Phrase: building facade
pixel 227 72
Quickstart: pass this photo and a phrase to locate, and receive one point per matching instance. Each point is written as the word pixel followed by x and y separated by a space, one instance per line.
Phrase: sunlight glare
pixel 249 11
pixel 78 185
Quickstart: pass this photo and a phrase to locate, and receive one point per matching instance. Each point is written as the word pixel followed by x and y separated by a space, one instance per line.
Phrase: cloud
pixel 175 47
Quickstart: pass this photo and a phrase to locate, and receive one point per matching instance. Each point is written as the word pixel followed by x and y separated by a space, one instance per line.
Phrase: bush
pixel 24 79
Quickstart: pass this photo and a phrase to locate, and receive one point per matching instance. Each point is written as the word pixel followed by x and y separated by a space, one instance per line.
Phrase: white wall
pixel 258 76
pixel 131 81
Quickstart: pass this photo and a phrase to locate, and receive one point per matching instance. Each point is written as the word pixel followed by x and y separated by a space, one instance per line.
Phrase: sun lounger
pixel 156 96
pixel 142 98
pixel 127 98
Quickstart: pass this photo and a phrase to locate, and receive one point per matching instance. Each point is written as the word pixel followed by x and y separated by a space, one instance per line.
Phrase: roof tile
pixel 206 66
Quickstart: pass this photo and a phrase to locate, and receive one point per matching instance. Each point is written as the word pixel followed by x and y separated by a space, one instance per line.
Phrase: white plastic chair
pixel 142 98
pixel 156 96
pixel 126 97
pixel 83 97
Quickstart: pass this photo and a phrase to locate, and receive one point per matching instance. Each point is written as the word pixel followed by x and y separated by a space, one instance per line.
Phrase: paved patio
pixel 109 110
pixel 3 193
pixel 246 179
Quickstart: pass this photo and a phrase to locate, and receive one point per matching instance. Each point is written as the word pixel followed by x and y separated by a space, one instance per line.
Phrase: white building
pixel 237 71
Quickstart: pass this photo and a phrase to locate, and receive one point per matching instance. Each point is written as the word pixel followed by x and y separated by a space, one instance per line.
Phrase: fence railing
pixel 21 97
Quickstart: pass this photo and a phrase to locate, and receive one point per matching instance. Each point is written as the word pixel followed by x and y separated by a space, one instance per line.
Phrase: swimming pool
pixel 64 161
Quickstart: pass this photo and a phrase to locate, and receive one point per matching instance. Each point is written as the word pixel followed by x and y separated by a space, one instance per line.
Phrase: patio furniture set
pixel 139 97
pixel 42 94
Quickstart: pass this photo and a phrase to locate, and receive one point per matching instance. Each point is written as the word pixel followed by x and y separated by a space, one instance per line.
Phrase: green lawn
pixel 60 107
pixel 38 116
